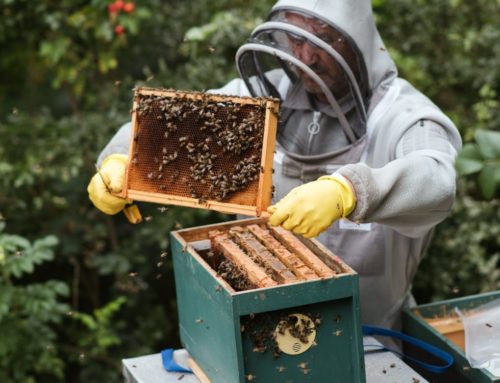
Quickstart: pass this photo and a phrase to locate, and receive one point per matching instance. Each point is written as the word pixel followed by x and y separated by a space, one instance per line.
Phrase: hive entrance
pixel 202 150
pixel 260 255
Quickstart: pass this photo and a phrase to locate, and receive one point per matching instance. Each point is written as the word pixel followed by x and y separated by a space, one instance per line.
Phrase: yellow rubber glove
pixel 109 179
pixel 310 208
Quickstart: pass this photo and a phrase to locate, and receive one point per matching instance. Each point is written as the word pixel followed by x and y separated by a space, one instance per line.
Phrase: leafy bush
pixel 102 258
pixel 28 312
pixel 448 50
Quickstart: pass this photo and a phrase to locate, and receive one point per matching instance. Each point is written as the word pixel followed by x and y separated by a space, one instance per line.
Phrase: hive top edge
pixel 180 92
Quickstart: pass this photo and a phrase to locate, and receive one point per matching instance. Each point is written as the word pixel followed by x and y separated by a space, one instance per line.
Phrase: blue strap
pixel 437 352
pixel 167 358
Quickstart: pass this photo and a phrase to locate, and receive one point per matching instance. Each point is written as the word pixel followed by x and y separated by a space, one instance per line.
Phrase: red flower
pixel 129 7
pixel 112 9
pixel 119 30
pixel 119 4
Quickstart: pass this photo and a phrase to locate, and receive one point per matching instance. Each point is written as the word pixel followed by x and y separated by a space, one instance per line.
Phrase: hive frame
pixel 265 186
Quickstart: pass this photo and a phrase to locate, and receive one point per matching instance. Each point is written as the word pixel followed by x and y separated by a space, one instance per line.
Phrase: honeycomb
pixel 202 150
pixel 254 256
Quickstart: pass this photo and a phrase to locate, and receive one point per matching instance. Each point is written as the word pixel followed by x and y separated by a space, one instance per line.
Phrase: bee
pixel 250 377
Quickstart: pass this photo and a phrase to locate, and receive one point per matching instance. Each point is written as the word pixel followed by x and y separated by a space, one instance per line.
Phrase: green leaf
pixel 469 160
pixel 488 180
pixel 489 143
pixel 86 319
pixel 104 31
pixel 467 166
pixel 470 151
pixel 59 288
pixel 107 62
pixel 54 50
pixel 48 241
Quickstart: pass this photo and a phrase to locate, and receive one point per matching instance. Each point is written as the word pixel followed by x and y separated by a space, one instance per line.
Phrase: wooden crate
pixel 438 324
pixel 231 334
pixel 202 150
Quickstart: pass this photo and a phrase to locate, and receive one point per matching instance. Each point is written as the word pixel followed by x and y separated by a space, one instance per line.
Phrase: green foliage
pixel 483 158
pixel 28 313
pixel 27 256
pixel 66 81
pixel 76 42
pixel 100 335
pixel 448 50
pixel 465 256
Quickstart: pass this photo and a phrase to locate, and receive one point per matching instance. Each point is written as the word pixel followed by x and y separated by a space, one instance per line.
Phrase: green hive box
pixel 416 323
pixel 218 325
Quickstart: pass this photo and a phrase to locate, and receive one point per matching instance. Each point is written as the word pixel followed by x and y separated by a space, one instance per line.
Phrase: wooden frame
pixel 265 188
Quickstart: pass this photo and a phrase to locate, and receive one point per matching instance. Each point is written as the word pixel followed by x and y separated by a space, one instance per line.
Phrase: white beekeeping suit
pixel 391 142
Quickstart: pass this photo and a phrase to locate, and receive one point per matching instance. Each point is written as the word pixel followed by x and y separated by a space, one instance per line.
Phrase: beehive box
pixel 272 325
pixel 202 150
pixel 438 324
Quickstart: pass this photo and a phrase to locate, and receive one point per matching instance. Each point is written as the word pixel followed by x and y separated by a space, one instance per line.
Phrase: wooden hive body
pixel 202 150
pixel 228 333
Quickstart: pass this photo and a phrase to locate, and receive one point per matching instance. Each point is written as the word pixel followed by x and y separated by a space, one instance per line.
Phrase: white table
pixel 380 366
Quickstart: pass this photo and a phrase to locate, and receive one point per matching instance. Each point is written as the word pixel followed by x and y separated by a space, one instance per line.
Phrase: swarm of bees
pixel 198 147
pixel 298 329
pixel 260 328
pixel 233 275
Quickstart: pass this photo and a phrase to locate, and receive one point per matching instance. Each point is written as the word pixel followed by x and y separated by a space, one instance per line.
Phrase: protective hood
pixel 329 49
pixel 355 19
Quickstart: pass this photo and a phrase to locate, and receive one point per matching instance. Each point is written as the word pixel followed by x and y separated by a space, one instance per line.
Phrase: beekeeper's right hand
pixel 108 180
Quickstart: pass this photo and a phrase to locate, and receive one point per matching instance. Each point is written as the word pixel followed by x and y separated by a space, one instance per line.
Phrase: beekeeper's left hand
pixel 310 208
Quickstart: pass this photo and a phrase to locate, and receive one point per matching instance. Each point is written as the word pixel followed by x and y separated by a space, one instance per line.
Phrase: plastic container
pixel 482 336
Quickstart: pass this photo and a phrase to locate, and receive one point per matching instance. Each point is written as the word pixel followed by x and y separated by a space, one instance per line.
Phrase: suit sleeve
pixel 413 192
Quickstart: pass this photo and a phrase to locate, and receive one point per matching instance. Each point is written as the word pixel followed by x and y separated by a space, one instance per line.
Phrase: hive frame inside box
pixel 264 193
pixel 211 313
pixel 421 322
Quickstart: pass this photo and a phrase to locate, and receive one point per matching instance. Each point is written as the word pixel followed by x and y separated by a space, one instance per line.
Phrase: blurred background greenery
pixel 79 290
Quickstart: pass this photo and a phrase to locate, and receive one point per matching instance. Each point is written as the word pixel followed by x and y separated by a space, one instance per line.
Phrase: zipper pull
pixel 313 128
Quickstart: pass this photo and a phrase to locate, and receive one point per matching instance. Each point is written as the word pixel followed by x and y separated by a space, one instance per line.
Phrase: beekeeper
pixel 364 161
